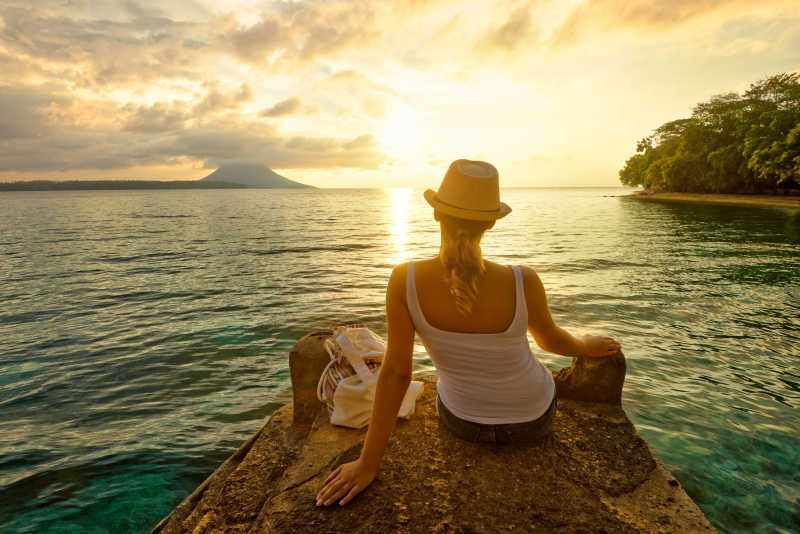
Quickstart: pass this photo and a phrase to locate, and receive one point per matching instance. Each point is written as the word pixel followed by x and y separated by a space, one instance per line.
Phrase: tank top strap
pixel 521 308
pixel 411 295
pixel 518 326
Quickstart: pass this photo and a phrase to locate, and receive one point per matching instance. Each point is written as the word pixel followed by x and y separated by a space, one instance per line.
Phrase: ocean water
pixel 144 335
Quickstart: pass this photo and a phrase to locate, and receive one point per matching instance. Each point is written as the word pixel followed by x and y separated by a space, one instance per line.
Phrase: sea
pixel 144 335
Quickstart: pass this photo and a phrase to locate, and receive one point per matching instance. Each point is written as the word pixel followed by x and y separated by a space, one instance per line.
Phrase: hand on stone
pixel 599 346
pixel 349 480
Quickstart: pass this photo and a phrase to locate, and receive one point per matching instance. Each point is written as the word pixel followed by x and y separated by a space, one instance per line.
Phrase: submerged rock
pixel 594 473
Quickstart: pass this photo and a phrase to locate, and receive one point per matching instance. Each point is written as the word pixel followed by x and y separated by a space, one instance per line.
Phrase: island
pixel 594 473
pixel 733 143
pixel 230 176
pixel 251 175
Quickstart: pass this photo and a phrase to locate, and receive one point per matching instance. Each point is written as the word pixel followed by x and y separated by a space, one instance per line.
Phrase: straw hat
pixel 469 190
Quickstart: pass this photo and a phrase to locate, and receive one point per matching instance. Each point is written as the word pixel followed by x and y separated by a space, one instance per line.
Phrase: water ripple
pixel 144 335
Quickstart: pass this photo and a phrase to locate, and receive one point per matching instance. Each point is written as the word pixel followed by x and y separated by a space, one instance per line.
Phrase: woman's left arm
pixel 350 479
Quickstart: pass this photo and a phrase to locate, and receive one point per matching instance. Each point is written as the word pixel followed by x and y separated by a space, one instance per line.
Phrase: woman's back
pixel 491 312
pixel 487 373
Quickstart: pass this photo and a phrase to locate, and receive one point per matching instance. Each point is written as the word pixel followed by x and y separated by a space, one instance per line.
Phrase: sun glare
pixel 399 228
pixel 401 133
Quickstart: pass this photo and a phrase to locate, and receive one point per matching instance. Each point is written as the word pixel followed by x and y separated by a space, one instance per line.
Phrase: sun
pixel 401 132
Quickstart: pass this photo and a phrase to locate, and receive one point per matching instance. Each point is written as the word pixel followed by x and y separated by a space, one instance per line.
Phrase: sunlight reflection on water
pixel 399 228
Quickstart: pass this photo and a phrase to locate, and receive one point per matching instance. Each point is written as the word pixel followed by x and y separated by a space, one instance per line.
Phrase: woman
pixel 472 316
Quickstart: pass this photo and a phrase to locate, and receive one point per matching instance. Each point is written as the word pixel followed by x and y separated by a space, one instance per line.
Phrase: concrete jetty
pixel 595 473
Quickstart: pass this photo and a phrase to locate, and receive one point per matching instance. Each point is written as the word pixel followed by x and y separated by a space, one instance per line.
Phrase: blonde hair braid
pixel 462 259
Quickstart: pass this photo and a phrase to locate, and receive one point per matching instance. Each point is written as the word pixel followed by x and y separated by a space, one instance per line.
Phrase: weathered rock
pixel 592 379
pixel 593 474
pixel 307 359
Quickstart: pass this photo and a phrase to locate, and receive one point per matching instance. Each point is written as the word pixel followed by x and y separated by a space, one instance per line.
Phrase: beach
pixel 715 198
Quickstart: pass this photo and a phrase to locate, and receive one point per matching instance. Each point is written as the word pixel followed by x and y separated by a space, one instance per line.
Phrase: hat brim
pixel 475 215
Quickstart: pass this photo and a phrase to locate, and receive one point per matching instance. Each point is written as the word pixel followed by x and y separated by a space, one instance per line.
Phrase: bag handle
pixel 331 350
pixel 357 362
pixel 353 358
pixel 321 383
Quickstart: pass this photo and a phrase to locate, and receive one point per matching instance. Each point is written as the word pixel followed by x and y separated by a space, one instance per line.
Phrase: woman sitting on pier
pixel 473 316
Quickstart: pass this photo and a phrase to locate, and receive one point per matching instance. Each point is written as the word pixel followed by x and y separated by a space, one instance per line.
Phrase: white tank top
pixel 486 378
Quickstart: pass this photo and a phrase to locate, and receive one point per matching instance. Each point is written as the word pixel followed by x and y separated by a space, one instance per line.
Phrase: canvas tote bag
pixel 347 385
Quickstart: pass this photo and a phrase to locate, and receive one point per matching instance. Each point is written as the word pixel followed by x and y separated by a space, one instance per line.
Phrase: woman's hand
pixel 599 346
pixel 349 480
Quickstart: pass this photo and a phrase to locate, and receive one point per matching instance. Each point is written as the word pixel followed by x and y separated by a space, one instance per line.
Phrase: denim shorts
pixel 525 432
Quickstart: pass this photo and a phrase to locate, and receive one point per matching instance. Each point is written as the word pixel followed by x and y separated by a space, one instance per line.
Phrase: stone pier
pixel 595 473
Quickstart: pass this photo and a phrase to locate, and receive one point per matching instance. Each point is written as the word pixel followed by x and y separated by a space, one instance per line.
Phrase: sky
pixel 367 93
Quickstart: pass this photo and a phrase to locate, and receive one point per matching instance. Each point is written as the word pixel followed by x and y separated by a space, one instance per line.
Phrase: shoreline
pixel 722 198
pixel 119 185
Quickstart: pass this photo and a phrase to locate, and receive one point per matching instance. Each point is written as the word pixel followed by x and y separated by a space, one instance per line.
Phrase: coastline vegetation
pixel 49 185
pixel 733 143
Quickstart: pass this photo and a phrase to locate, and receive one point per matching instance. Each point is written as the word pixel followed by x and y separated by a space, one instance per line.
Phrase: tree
pixel 731 144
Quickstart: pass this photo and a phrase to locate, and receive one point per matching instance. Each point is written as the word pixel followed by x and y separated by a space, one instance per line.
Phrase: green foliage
pixel 732 143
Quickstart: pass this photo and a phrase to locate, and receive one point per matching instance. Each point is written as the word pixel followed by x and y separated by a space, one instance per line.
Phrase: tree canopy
pixel 732 143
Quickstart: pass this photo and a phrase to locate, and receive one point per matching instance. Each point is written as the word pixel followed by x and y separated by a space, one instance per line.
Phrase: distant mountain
pixel 251 175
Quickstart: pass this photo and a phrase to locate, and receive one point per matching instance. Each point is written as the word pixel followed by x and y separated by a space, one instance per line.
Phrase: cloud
pixel 13 68
pixel 328 144
pixel 743 47
pixel 93 53
pixel 446 29
pixel 309 144
pixel 650 15
pixel 507 37
pixel 158 118
pixel 284 107
pixel 303 31
pixel 23 115
pixel 352 79
pixel 107 42
pixel 216 101
pixel 256 43
pixel 42 131
pixel 352 93
pixel 140 11
pixel 263 144
pixel 360 142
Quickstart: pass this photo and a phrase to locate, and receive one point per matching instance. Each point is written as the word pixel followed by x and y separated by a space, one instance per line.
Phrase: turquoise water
pixel 144 335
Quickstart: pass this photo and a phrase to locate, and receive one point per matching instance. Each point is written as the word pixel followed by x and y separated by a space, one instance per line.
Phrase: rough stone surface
pixel 593 474
pixel 307 359
pixel 592 379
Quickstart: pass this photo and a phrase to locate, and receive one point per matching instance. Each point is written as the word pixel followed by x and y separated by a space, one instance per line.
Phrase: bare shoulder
pixel 528 272
pixel 497 268
pixel 399 270
pixel 532 282
pixel 538 311
pixel 427 265
pixel 398 274
pixel 397 282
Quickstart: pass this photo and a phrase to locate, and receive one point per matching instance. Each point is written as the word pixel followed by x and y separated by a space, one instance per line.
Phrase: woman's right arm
pixel 551 337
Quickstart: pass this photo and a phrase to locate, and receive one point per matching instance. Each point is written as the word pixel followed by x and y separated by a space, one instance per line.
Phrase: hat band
pixel 438 199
